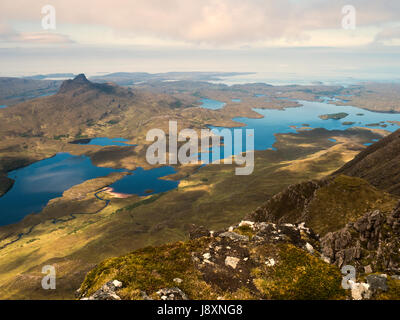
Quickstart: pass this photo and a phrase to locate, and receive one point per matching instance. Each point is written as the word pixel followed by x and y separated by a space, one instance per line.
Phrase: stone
pixel 178 280
pixel 234 236
pixel 325 259
pixel 107 291
pixel 270 262
pixel 309 248
pixel 145 296
pixel 117 284
pixel 368 269
pixel 172 294
pixel 377 282
pixel 232 262
pixel 359 291
pixel 78 293
pixel 207 256
pixel 196 232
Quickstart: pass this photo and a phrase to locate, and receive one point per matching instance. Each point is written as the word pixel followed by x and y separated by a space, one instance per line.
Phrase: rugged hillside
pixel 325 205
pixel 78 105
pixel 379 164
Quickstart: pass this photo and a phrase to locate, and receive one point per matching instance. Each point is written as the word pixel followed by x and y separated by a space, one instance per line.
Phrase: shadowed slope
pixel 379 164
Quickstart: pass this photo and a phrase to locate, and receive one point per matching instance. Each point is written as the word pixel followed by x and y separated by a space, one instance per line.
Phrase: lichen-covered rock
pixel 231 262
pixel 359 291
pixel 377 282
pixel 106 292
pixel 196 232
pixel 172 294
pixel 233 236
pixel 371 243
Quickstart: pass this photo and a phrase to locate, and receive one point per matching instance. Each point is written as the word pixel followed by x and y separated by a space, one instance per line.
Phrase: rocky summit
pixel 259 260
pixel 246 261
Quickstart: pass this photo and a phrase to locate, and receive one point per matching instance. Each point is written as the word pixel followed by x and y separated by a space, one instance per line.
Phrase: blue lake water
pixel 47 179
pixel 104 141
pixel 236 100
pixel 212 104
pixel 144 182
pixel 2 107
pixel 36 184
pixel 280 121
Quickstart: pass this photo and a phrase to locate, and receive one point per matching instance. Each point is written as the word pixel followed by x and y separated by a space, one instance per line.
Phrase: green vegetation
pixel 344 200
pixel 299 276
pixel 151 269
pixel 142 202
pixel 245 230
pixel 61 136
pixel 393 292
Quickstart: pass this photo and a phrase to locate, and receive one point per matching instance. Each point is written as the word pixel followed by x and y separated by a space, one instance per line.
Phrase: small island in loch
pixel 334 116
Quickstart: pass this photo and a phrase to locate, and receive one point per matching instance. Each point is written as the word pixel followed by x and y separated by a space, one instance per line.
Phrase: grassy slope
pixel 297 275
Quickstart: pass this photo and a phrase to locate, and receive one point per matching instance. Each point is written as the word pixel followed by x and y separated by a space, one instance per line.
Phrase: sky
pixel 305 38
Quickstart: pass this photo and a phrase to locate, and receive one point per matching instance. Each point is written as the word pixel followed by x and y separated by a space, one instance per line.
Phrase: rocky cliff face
pixel 371 243
pixel 326 205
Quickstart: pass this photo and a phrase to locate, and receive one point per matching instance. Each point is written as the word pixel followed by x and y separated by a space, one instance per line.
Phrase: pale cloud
pixel 44 38
pixel 388 35
pixel 215 22
pixel 10 35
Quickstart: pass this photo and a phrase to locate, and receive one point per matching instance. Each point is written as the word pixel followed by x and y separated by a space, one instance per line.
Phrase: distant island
pixel 348 123
pixel 334 116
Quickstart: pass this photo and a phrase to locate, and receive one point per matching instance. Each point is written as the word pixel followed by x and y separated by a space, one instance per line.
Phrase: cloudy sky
pixel 280 37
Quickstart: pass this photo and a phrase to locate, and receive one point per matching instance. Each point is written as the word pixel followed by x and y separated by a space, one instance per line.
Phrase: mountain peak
pixel 80 78
pixel 79 82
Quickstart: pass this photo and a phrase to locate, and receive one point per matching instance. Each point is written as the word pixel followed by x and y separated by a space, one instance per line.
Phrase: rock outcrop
pixel 370 244
pixel 106 292
pixel 250 260
pixel 326 205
